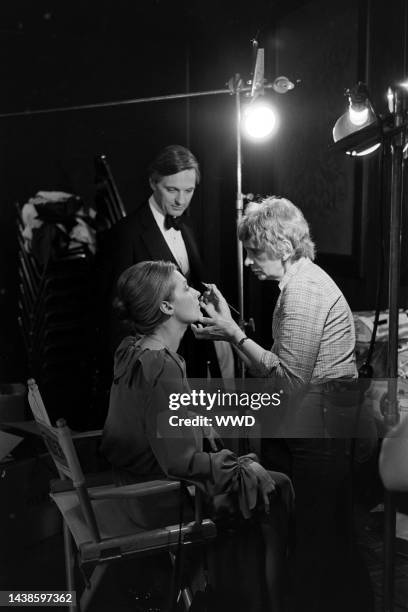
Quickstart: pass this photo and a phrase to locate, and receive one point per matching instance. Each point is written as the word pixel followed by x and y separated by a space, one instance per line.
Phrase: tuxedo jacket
pixel 137 238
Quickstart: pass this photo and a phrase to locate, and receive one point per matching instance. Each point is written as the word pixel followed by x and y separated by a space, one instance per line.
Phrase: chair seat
pixel 164 539
pixel 120 536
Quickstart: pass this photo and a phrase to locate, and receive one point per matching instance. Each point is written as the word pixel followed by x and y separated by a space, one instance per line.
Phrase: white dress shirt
pixel 173 238
pixel 177 246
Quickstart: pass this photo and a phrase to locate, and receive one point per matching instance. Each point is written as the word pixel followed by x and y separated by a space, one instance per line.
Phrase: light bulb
pixel 358 116
pixel 259 121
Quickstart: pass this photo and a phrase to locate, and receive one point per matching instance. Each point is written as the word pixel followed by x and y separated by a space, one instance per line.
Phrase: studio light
pixel 256 119
pixel 350 130
pixel 391 132
pixel 259 120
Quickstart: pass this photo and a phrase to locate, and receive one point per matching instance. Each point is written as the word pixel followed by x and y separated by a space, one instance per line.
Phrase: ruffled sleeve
pixel 234 476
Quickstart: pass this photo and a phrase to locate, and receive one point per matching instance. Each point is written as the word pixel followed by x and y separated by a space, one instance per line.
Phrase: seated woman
pixel 159 305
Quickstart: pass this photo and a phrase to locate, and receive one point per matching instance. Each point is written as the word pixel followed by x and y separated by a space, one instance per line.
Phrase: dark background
pixel 60 53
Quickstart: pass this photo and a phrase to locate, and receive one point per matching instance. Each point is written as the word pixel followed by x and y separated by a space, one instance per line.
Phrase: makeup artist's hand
pixel 215 302
pixel 216 327
pixel 217 323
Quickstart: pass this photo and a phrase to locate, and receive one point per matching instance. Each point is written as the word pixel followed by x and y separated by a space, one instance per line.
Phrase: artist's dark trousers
pixel 326 570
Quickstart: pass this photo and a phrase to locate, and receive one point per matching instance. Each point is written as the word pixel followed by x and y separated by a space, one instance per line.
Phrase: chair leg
pixel 69 563
pixel 186 593
pixel 187 597
pixel 94 580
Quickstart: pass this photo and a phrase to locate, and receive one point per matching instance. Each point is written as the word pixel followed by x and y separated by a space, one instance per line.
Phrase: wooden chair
pixel 95 525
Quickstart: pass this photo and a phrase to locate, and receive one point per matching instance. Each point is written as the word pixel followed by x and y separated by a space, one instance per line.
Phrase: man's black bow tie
pixel 174 222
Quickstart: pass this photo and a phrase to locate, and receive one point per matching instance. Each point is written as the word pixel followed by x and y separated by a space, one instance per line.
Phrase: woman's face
pixel 184 300
pixel 263 265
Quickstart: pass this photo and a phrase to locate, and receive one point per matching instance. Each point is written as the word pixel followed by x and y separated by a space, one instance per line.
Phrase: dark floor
pixel 371 542
pixel 144 586
pixel 42 568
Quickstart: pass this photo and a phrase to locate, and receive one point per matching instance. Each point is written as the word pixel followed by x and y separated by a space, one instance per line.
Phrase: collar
pixel 293 270
pixel 157 213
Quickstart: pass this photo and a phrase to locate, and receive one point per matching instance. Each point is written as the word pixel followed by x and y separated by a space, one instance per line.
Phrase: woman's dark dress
pixel 137 443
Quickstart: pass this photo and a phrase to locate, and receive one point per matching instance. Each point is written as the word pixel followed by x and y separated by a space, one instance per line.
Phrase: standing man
pixel 160 230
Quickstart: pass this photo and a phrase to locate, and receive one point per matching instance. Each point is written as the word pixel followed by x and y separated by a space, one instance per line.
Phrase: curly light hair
pixel 274 222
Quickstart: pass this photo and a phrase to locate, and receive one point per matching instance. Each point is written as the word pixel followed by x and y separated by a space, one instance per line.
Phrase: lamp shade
pixel 353 121
pixel 360 142
pixel 358 131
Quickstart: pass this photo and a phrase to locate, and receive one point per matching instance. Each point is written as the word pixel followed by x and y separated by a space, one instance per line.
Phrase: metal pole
pixel 114 103
pixel 391 416
pixel 239 213
pixel 243 443
pixel 389 551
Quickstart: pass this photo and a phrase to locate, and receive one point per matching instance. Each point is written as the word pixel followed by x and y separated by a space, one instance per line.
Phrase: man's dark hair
pixel 171 160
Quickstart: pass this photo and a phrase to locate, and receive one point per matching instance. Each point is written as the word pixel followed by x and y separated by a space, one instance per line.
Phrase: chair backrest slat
pixel 70 454
pixel 52 442
pixel 62 450
pixel 36 404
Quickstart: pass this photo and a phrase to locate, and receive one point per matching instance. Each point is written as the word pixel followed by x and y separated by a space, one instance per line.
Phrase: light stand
pixel 236 87
pixel 239 212
pixel 391 414
pixel 258 84
pixel 393 135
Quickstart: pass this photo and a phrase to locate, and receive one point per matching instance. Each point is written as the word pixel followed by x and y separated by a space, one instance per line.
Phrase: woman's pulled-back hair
pixel 269 224
pixel 141 289
pixel 172 160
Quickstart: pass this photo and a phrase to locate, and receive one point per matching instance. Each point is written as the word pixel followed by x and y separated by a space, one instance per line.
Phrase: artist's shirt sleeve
pixel 298 325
